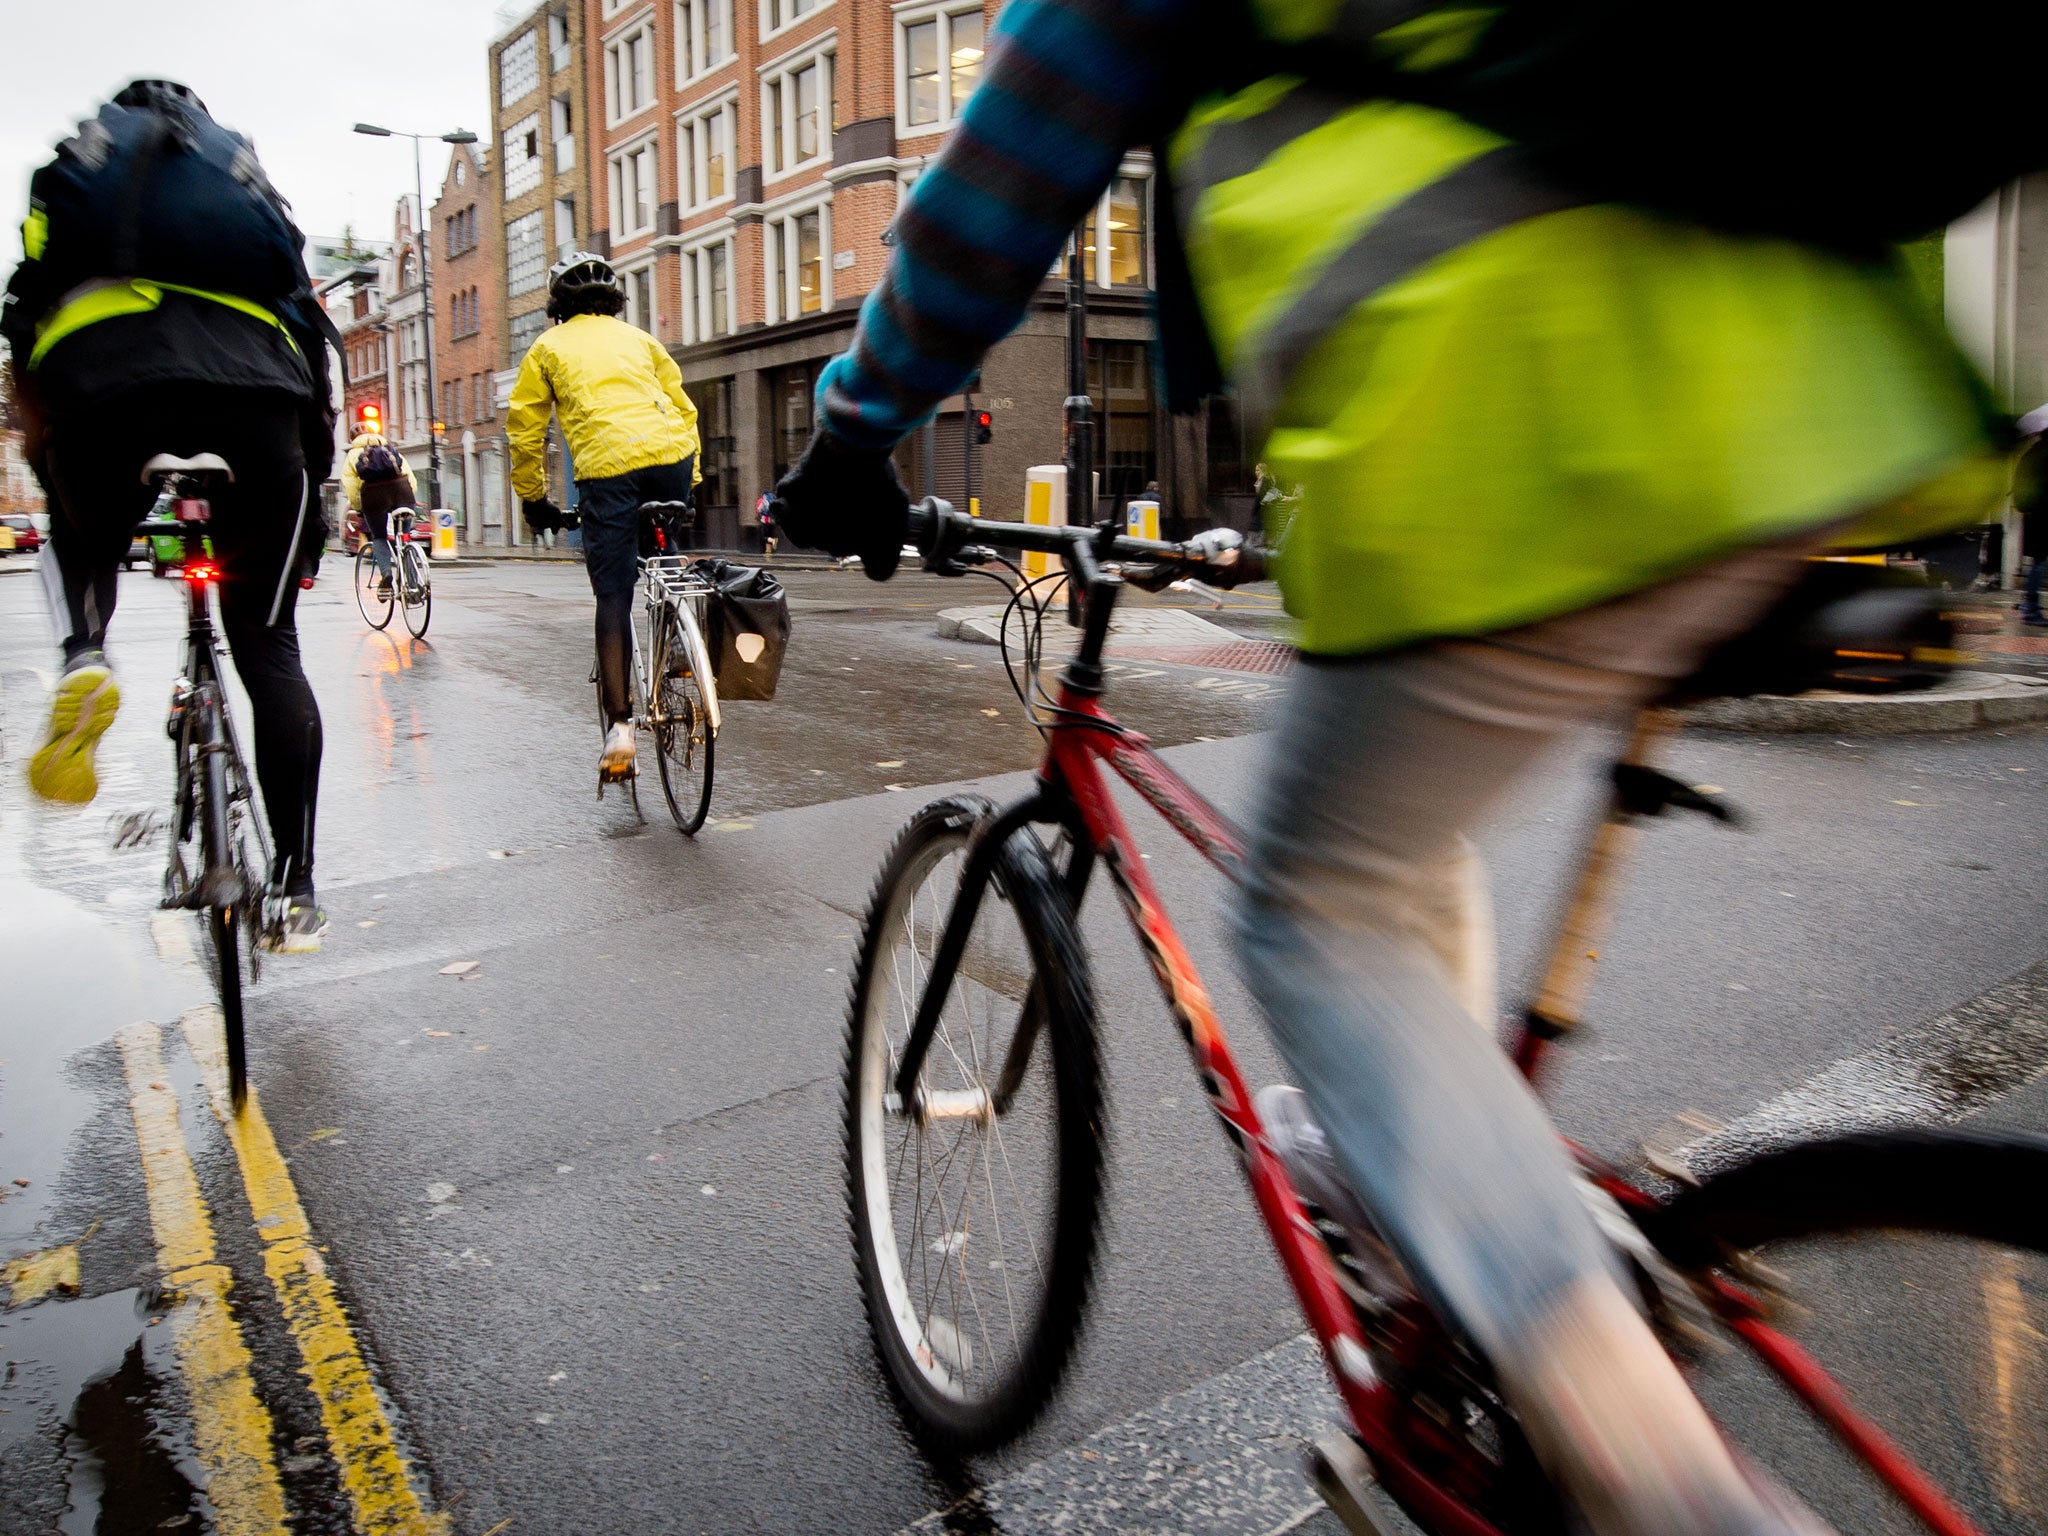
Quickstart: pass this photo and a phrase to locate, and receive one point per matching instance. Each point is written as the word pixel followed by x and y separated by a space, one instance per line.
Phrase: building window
pixel 797 111
pixel 522 156
pixel 777 14
pixel 796 264
pixel 565 225
pixel 634 193
pixel 720 457
pixel 518 68
pixel 939 55
pixel 707 291
pixel 791 392
pixel 462 236
pixel 639 310
pixel 526 254
pixel 563 129
pixel 524 329
pixel 558 41
pixel 629 73
pixel 704 155
pixel 1113 238
pixel 703 36
pixel 465 313
pixel 1120 386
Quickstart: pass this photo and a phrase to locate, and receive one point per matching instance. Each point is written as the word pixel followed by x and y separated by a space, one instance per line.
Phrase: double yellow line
pixel 233 1431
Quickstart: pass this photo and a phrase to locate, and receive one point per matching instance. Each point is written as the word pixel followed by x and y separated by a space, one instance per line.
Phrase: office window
pixel 1113 237
pixel 629 73
pixel 707 291
pixel 939 54
pixel 526 254
pixel 523 330
pixel 781 13
pixel 798 279
pixel 796 104
pixel 522 156
pixel 562 128
pixel 565 225
pixel 639 310
pixel 704 155
pixel 634 193
pixel 518 68
pixel 558 41
pixel 703 36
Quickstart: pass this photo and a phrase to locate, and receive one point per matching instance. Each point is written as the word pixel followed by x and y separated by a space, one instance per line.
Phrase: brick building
pixel 469 344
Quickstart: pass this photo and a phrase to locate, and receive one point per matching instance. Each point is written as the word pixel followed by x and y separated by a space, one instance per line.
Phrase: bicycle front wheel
pixel 974 1202
pixel 375 609
pixel 1919 1262
pixel 416 590
pixel 685 749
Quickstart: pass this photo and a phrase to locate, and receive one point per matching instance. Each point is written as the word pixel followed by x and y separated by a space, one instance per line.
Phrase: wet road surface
pixel 579 1209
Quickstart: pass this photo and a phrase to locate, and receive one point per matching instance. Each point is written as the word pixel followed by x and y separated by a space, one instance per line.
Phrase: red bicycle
pixel 974 1150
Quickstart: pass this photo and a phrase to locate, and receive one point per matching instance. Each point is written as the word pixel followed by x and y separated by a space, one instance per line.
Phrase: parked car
pixel 19 534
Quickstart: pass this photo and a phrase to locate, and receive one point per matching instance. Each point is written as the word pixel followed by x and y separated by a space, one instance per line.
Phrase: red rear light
pixel 202 570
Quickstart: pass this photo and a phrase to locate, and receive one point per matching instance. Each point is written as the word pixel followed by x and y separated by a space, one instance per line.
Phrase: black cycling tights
pixel 259 531
pixel 615 654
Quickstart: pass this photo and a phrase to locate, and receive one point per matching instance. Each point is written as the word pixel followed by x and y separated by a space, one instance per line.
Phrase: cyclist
pixel 163 307
pixel 1551 449
pixel 632 434
pixel 377 483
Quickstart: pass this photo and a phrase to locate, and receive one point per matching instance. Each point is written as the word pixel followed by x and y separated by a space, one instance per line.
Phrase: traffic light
pixel 982 424
pixel 369 418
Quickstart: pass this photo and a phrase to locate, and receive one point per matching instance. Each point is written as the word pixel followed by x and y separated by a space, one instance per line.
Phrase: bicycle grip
pixel 925 520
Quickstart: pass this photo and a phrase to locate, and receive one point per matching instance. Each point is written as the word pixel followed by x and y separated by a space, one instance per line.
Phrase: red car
pixel 19 534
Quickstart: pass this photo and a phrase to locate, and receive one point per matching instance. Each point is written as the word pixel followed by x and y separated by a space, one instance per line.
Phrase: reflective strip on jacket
pixel 1503 403
pixel 105 300
pixel 618 393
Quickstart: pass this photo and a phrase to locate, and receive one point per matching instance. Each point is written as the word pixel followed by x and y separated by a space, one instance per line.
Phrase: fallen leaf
pixel 895 788
pixel 436 1034
pixel 1905 802
pixel 710 1189
pixel 464 967
pixel 440 1193
pixel 481 1047
pixel 322 1135
pixel 991 713
pixel 368 922
pixel 35 1275
pixel 894 762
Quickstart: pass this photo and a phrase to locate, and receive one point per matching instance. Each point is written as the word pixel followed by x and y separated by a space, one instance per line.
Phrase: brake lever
pixel 956 562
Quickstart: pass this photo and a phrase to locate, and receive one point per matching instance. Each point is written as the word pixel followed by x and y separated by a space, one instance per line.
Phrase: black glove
pixel 542 516
pixel 845 501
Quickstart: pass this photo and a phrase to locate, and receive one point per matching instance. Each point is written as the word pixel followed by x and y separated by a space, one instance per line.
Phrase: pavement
pixel 556 1108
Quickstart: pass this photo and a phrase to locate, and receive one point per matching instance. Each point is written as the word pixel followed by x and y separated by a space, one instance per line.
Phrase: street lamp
pixel 459 136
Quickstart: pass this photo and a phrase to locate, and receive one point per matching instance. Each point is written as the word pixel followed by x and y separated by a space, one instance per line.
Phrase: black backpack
pixel 377 464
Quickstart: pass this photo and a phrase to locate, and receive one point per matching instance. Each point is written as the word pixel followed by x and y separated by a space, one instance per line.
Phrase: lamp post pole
pixel 425 235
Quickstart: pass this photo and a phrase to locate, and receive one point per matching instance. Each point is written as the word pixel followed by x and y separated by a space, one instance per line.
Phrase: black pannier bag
pixel 746 628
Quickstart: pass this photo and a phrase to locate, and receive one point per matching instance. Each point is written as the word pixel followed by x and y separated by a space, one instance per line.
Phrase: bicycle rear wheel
pixel 376 611
pixel 974 1207
pixel 685 749
pixel 224 887
pixel 415 589
pixel 1920 1262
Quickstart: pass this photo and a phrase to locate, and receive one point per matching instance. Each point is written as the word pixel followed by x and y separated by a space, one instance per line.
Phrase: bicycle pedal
pixel 1343 1476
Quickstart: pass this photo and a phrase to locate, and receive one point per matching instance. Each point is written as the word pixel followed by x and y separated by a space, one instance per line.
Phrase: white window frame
pixel 778 228
pixel 640 30
pixel 696 288
pixel 776 29
pixel 648 144
pixel 628 276
pixel 527 168
pixel 697 50
pixel 690 152
pixel 1099 276
pixel 821 51
pixel 909 15
pixel 559 53
pixel 527 43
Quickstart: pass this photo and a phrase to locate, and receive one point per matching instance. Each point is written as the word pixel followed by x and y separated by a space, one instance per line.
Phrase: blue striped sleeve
pixel 1071 85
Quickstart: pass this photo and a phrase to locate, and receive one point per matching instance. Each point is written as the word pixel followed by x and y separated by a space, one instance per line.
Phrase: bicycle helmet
pixel 582 283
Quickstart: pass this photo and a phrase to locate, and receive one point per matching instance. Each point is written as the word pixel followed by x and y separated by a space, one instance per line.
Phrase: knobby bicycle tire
pixel 376 611
pixel 1877 1229
pixel 685 749
pixel 412 567
pixel 954 1423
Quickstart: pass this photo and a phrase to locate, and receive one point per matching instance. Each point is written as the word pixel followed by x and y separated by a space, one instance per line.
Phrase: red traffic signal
pixel 982 424
pixel 370 418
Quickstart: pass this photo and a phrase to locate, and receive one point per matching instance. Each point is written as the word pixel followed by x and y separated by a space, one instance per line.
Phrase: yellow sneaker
pixel 80 712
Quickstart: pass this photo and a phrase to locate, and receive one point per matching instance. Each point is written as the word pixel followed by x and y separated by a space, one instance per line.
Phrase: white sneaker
pixel 620 753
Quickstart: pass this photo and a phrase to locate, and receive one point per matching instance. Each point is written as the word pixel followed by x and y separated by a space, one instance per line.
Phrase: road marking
pixel 1934 1072
pixel 1223 1458
pixel 374 1474
pixel 231 1429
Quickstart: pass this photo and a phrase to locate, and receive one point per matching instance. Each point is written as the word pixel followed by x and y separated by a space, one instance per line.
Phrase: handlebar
pixel 950 541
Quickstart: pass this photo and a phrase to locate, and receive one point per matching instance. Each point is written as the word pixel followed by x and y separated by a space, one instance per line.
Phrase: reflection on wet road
pixel 541 1227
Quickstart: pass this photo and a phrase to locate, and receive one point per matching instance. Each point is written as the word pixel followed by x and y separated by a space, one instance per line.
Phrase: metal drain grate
pixel 1267 657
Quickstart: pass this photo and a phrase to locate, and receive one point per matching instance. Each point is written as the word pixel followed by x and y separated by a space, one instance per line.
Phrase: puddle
pixel 74 1380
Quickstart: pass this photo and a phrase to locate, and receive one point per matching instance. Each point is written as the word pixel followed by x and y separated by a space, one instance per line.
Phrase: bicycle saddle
pixel 674 514
pixel 198 464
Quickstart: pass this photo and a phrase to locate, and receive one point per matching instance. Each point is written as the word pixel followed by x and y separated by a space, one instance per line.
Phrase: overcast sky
pixel 295 75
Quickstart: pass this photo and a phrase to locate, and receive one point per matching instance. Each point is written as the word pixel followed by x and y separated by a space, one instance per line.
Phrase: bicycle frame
pixel 1073 792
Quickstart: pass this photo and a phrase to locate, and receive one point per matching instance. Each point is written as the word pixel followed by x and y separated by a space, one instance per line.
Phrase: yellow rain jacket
pixel 619 395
